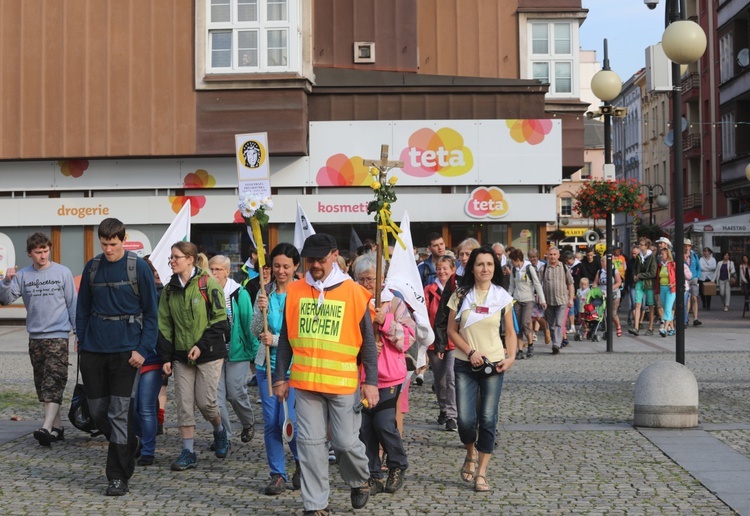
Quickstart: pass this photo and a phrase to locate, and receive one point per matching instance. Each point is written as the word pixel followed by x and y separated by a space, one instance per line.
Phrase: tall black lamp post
pixel 684 42
pixel 661 200
pixel 606 85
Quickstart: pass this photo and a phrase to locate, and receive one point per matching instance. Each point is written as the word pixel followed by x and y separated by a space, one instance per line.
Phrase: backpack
pixel 79 414
pixel 132 280
pixel 203 287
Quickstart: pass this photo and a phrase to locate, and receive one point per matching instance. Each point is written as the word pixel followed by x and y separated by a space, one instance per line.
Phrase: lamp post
pixel 661 200
pixel 684 42
pixel 606 85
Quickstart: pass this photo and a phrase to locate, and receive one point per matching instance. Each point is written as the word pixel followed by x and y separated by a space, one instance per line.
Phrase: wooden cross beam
pixel 383 165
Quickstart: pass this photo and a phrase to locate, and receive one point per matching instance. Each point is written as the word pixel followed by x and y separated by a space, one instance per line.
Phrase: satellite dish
pixel 684 124
pixel 669 139
pixel 743 57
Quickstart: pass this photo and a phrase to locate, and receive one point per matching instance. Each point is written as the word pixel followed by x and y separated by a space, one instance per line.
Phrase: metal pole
pixel 677 192
pixel 608 230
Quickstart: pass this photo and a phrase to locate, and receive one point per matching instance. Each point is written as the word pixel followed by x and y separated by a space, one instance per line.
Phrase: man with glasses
pixel 116 327
pixel 326 330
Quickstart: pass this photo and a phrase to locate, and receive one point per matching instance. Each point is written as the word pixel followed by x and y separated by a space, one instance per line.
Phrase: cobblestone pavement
pixel 566 445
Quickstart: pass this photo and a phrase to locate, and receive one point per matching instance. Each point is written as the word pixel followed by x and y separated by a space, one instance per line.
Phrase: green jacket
pixel 243 345
pixel 645 271
pixel 184 320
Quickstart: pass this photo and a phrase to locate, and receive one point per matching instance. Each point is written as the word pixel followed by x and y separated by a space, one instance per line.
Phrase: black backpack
pixel 79 414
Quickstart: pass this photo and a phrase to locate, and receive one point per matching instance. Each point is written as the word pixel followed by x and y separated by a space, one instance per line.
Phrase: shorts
pixel 49 360
pixel 639 293
pixel 694 288
pixel 576 310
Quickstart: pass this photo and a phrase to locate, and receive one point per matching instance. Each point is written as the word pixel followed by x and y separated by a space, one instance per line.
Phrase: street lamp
pixel 684 42
pixel 747 172
pixel 606 85
pixel 662 201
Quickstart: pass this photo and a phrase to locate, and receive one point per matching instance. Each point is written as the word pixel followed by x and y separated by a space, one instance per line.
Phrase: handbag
pixel 79 414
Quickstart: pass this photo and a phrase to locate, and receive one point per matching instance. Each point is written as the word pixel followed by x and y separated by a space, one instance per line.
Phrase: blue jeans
pixel 477 400
pixel 146 407
pixel 668 299
pixel 273 420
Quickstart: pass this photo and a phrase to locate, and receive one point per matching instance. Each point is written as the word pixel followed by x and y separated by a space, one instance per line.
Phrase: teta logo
pixel 442 152
pixel 529 131
pixel 487 203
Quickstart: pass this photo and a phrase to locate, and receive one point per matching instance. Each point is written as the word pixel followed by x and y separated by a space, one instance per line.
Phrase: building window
pixel 251 36
pixel 553 55
pixel 566 207
pixel 728 150
pixel 726 61
pixel 586 170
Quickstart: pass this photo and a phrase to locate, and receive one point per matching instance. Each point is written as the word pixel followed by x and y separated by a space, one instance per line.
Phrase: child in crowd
pixel 583 292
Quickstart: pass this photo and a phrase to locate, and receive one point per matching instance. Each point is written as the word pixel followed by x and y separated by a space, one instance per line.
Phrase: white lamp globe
pixel 747 172
pixel 606 85
pixel 684 42
pixel 662 201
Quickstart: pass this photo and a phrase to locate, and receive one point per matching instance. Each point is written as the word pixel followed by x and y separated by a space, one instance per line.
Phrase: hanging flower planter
pixel 597 199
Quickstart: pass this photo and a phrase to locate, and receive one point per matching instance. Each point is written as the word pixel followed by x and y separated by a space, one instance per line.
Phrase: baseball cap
pixel 688 242
pixel 318 246
pixel 664 240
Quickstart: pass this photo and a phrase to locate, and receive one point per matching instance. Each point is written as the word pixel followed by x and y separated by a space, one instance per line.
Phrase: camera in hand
pixel 487 368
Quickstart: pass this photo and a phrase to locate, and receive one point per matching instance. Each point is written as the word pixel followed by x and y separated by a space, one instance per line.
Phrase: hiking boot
pixel 276 485
pixel 451 426
pixel 186 460
pixel 296 476
pixel 395 480
pixel 221 444
pixel 146 460
pixel 43 436
pixel 520 355
pixel 117 487
pixel 376 485
pixel 360 495
pixel 247 434
pixel 530 351
pixel 555 350
pixel 442 418
pixel 696 322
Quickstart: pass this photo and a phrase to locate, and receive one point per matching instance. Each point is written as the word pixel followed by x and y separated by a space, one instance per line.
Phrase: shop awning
pixel 690 217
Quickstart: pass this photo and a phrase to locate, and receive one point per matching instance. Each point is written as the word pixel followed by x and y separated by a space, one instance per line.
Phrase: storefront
pixel 730 234
pixel 484 179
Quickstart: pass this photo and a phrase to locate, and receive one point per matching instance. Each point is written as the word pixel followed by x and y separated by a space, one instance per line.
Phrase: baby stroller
pixel 592 323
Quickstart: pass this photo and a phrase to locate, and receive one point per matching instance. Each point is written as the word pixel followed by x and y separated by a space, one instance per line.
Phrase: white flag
pixel 177 231
pixel 403 276
pixel 302 228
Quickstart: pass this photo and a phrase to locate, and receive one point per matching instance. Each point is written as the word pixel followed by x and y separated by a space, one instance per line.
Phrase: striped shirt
pixel 555 284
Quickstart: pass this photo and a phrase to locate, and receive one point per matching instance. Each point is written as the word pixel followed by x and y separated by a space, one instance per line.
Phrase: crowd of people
pixel 333 369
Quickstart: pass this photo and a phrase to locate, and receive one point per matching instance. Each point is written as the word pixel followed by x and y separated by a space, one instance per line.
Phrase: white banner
pixel 302 228
pixel 177 231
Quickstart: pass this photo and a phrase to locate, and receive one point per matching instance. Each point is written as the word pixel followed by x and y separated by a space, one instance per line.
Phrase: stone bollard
pixel 666 396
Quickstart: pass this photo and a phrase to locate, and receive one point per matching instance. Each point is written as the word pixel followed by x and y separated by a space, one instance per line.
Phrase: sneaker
pixel 360 495
pixel 58 434
pixel 533 337
pixel 43 436
pixel 146 460
pixel 530 351
pixel 726 308
pixel 395 480
pixel 572 329
pixel 332 457
pixel 671 333
pixel 442 418
pixel 564 343
pixel 221 444
pixel 117 487
pixel 649 332
pixel 276 485
pixel 520 355
pixel 296 476
pixel 420 379
pixel 247 434
pixel 696 322
pixel 186 460
pixel 662 332
pixel 451 426
pixel 376 485
pixel 555 350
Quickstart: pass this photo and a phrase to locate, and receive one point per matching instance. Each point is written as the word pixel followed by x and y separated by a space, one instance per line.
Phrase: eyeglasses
pixel 366 281
pixel 175 258
pixel 321 261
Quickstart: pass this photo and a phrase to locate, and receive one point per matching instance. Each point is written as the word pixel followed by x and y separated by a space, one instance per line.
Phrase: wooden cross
pixel 383 166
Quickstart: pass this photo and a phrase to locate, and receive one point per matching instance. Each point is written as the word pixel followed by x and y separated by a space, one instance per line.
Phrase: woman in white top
pixel 526 289
pixel 708 268
pixel 476 311
pixel 723 275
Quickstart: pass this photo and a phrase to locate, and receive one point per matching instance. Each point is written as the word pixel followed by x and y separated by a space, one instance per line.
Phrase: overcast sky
pixel 629 27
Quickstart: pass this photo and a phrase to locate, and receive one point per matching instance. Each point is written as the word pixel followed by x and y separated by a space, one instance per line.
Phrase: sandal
pixel 619 331
pixel 483 487
pixel 467 475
